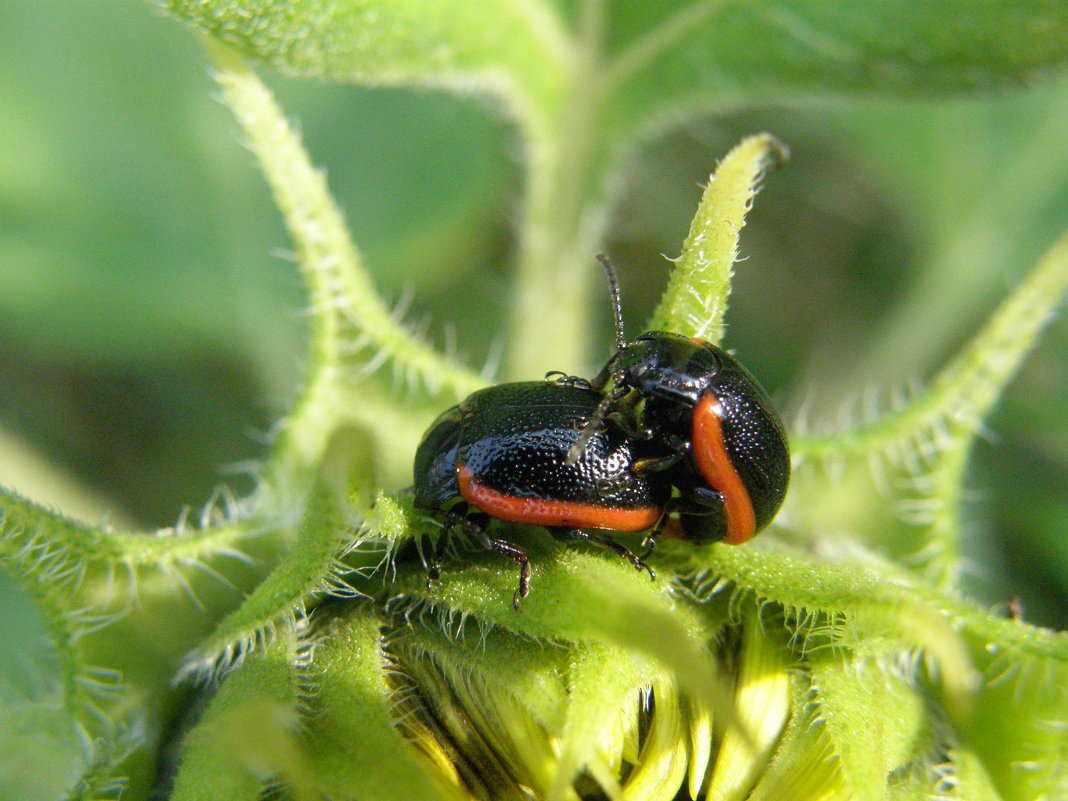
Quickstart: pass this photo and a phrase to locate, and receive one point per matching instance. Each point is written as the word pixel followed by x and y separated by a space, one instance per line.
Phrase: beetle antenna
pixel 613 371
pixel 595 424
pixel 617 306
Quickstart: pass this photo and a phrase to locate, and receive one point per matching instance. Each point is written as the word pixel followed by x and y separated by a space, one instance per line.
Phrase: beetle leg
pixel 700 500
pixel 433 572
pixel 676 447
pixel 649 541
pixel 518 555
pixel 702 514
pixel 475 527
pixel 562 379
pixel 575 534
pixel 655 464
pixel 449 521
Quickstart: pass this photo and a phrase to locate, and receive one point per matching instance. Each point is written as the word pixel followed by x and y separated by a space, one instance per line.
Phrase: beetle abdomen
pixel 435 462
pixel 512 461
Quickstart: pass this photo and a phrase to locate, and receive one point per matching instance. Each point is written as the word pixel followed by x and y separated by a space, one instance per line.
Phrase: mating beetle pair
pixel 672 426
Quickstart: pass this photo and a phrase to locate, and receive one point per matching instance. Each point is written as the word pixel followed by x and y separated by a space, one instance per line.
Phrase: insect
pixel 724 448
pixel 671 426
pixel 502 453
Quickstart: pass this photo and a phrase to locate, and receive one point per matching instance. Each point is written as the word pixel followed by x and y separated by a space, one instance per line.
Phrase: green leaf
pixel 695 300
pixel 1016 739
pixel 663 52
pixel 494 43
pixel 353 740
pixel 603 682
pixel 632 613
pixel 353 329
pixel 871 716
pixel 666 55
pixel 311 568
pixel 583 88
pixel 852 605
pixel 246 738
pixel 118 609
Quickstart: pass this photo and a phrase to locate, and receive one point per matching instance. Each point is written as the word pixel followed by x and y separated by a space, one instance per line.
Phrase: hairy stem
pixel 564 218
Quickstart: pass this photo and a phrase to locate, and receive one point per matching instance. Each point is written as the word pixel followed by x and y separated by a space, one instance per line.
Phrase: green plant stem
pixel 966 390
pixel 695 300
pixel 943 549
pixel 571 154
pixel 564 218
pixel 351 325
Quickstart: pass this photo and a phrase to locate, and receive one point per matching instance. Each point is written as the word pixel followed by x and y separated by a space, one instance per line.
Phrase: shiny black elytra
pixel 671 426
pixel 502 453
pixel 726 448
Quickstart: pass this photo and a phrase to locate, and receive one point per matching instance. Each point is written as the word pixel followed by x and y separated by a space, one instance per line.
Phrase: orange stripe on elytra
pixel 556 514
pixel 715 466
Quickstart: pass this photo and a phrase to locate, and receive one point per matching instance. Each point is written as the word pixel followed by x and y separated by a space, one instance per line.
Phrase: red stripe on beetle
pixel 715 466
pixel 556 514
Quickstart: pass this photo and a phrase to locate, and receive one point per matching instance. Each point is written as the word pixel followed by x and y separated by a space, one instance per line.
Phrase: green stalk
pixel 564 217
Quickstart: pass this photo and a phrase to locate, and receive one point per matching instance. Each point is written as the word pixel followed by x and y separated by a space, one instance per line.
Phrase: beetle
pixel 670 426
pixel 502 453
pixel 726 451
pixel 723 446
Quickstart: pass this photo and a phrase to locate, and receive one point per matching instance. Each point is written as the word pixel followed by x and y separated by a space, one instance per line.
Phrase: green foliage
pixel 584 84
pixel 288 643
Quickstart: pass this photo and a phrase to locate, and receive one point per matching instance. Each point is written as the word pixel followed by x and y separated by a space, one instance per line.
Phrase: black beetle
pixel 725 448
pixel 503 452
pixel 670 425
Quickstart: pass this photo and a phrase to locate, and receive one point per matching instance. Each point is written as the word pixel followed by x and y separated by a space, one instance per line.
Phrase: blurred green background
pixel 150 320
